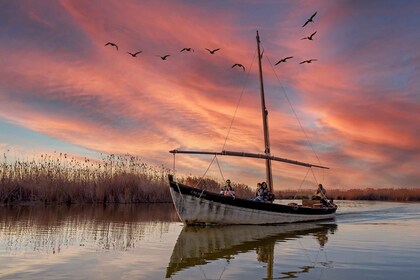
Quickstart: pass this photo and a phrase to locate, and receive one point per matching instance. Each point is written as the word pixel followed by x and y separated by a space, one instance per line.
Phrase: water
pixel 367 240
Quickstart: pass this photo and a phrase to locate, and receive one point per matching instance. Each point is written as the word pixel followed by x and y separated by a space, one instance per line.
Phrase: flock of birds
pixel 213 51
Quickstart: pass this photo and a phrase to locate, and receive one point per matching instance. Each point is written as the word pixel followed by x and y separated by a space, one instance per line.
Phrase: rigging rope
pixel 218 165
pixel 304 179
pixel 230 126
pixel 201 178
pixel 313 174
pixel 294 112
pixel 239 101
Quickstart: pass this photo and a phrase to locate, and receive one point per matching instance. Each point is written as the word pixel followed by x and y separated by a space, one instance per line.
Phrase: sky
pixel 354 110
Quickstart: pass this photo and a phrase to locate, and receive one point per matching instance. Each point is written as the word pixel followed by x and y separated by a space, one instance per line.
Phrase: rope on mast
pixel 293 110
pixel 201 178
pixel 240 98
pixel 301 184
pixel 218 165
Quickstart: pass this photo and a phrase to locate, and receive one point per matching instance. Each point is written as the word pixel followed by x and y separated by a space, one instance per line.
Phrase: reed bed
pixel 59 178
pixel 208 184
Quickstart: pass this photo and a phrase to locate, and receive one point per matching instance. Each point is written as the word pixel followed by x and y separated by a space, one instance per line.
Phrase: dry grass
pixel 59 178
pixel 241 190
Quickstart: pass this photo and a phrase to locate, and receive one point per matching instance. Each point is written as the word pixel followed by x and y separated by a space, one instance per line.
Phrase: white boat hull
pixel 197 210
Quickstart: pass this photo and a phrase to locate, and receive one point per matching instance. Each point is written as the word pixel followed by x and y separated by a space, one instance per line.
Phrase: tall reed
pixel 60 178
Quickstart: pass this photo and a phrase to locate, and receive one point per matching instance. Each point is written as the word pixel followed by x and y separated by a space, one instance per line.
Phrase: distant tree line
pixel 380 194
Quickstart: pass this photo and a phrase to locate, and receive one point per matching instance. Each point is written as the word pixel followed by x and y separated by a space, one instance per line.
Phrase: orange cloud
pixel 65 83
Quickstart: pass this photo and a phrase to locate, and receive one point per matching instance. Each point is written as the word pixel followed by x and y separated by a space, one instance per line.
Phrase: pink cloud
pixel 104 100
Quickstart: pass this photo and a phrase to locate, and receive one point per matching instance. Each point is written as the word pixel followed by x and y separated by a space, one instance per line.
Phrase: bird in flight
pixel 134 54
pixel 164 57
pixel 310 37
pixel 308 61
pixel 112 44
pixel 212 51
pixel 310 19
pixel 187 49
pixel 283 60
pixel 239 65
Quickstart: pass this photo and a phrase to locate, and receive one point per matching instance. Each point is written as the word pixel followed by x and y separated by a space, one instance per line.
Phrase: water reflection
pixel 200 245
pixel 50 228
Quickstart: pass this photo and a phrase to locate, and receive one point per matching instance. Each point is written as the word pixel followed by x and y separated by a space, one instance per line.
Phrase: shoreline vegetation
pixel 63 179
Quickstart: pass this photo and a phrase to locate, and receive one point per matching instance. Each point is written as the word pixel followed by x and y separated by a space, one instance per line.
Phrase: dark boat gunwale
pixel 247 204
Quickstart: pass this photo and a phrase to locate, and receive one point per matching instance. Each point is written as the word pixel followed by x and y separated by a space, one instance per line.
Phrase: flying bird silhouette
pixel 310 19
pixel 212 51
pixel 310 37
pixel 164 57
pixel 308 61
pixel 239 65
pixel 283 60
pixel 187 49
pixel 112 44
pixel 134 54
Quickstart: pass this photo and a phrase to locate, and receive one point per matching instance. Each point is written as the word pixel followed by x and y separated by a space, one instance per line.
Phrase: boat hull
pixel 195 206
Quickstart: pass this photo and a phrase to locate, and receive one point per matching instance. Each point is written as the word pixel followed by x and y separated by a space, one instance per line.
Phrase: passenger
pixel 321 195
pixel 265 191
pixel 258 193
pixel 258 188
pixel 222 190
pixel 268 196
pixel 228 189
pixel 262 192
pixel 321 192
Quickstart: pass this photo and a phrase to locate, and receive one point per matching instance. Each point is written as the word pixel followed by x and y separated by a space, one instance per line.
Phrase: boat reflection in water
pixel 201 245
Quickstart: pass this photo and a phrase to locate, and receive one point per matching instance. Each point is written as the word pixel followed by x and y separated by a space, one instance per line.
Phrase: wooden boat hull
pixel 195 206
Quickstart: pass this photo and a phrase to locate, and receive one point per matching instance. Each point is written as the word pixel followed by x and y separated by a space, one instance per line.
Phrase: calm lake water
pixel 367 240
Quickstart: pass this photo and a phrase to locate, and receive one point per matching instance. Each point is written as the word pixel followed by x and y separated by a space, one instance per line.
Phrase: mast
pixel 268 172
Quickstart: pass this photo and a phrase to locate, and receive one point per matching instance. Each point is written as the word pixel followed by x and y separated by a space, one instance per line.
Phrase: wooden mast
pixel 268 172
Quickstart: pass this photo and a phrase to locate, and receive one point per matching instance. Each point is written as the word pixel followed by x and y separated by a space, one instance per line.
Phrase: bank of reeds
pixel 379 194
pixel 59 178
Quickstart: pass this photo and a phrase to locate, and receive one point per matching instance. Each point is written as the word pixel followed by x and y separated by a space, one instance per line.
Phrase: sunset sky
pixel 62 89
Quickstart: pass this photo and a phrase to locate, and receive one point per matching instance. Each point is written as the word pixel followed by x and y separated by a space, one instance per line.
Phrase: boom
pixel 250 155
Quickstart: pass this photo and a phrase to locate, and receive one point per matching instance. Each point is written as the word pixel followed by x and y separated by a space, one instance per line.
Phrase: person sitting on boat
pixel 268 196
pixel 258 193
pixel 320 192
pixel 228 189
pixel 262 192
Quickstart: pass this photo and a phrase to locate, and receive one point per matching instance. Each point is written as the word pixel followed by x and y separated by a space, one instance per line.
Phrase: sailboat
pixel 197 206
